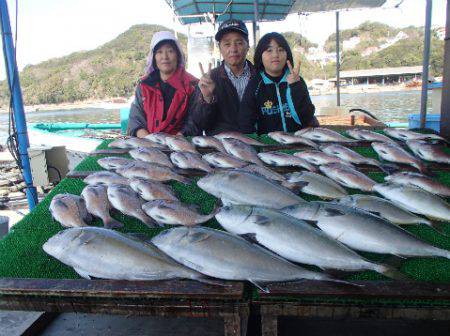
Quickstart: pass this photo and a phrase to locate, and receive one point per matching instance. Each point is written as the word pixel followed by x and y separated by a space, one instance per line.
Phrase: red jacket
pixel 153 103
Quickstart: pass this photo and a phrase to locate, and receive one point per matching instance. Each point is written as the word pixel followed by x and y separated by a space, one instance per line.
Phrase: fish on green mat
pixel 175 213
pixel 405 134
pixel 187 160
pixel 107 254
pixel 315 184
pixel 152 190
pixel 280 159
pixel 288 139
pixel 416 200
pixel 363 231
pixel 229 257
pixel 241 187
pixel 419 180
pixel 322 134
pixel 383 208
pixel 396 154
pixel 134 142
pixel 180 144
pixel 127 201
pixel 151 155
pixel 70 210
pixel 114 162
pixel 428 151
pixel 208 142
pixel 105 178
pixel 224 160
pixel 241 150
pixel 236 135
pixel 98 205
pixel 363 134
pixel 347 176
pixel 155 172
pixel 295 239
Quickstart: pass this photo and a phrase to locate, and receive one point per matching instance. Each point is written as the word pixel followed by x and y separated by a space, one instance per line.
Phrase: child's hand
pixel 294 75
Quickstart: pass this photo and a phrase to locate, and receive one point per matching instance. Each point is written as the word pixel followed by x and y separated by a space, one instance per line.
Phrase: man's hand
pixel 294 75
pixel 206 84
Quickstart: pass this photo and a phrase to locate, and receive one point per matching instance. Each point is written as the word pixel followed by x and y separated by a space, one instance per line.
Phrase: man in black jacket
pixel 220 90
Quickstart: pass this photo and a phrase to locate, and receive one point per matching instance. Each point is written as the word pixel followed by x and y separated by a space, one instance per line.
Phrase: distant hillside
pixel 111 70
pixel 376 45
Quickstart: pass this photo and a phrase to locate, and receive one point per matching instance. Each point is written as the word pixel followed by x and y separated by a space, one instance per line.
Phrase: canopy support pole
pixel 17 103
pixel 445 105
pixel 426 63
pixel 255 22
pixel 338 65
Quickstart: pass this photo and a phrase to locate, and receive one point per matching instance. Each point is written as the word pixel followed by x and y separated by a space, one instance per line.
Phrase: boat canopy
pixel 193 11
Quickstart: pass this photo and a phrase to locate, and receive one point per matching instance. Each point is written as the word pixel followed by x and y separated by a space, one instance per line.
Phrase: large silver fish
pixel 97 204
pixel 317 185
pixel 222 160
pixel 383 208
pixel 208 142
pixel 347 176
pixel 241 150
pixel 187 160
pixel 127 201
pixel 154 172
pixel 405 134
pixel 318 158
pixel 134 142
pixel 239 136
pixel 419 180
pixel 225 256
pixel 180 144
pixel 152 190
pixel 415 200
pixel 70 210
pixel 107 254
pixel 363 134
pixel 151 155
pixel 288 139
pixel 322 135
pixel 429 152
pixel 280 159
pixel 360 230
pixel 349 155
pixel 114 162
pixel 105 178
pixel 293 239
pixel 394 153
pixel 241 187
pixel 175 213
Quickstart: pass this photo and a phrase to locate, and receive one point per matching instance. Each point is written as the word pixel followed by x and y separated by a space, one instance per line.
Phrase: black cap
pixel 230 26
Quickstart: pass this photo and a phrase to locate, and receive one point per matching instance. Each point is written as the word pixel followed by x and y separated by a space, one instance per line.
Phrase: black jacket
pixel 260 106
pixel 219 116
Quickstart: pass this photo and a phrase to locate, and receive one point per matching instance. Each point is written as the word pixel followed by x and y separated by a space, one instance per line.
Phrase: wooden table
pixel 156 298
pixel 318 299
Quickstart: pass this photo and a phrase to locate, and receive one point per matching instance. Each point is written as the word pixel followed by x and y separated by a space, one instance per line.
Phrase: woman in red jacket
pixel 164 94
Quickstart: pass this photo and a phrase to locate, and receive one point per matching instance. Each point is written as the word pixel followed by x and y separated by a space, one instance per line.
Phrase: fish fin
pixel 150 222
pixel 311 222
pixel 261 220
pixel 111 223
pixel 138 236
pixel 389 168
pixel 82 273
pixel 226 202
pixel 183 179
pixel 259 286
pixel 301 184
pixel 438 227
pixel 250 237
pixel 292 186
pixel 214 282
pixel 333 212
pixel 394 273
pixel 197 237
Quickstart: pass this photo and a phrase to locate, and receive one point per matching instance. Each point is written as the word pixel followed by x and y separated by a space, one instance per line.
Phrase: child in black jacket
pixel 276 98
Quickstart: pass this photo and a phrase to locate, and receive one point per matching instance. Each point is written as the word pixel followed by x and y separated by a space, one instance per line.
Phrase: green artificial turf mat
pixel 23 257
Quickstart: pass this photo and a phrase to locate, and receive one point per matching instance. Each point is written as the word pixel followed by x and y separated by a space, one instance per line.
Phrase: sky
pixel 54 28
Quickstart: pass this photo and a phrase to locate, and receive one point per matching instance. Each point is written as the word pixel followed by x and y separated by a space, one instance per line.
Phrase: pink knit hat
pixel 157 38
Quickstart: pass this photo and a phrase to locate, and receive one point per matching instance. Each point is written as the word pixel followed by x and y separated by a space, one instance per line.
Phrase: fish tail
pixel 111 223
pixel 439 227
pixel 182 179
pixel 391 272
pixel 388 168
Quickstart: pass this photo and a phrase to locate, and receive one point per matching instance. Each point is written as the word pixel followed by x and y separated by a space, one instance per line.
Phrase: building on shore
pixel 383 76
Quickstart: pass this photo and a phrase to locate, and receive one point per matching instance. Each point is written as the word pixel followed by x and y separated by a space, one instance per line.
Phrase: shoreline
pixel 121 102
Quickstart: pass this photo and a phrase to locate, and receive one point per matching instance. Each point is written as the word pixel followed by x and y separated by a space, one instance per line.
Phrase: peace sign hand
pixel 206 84
pixel 294 73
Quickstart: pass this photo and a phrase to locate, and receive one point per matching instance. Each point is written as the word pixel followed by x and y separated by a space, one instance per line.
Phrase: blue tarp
pixel 188 11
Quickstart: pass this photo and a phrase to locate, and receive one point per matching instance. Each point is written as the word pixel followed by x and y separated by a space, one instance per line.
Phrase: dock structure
pixel 382 76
